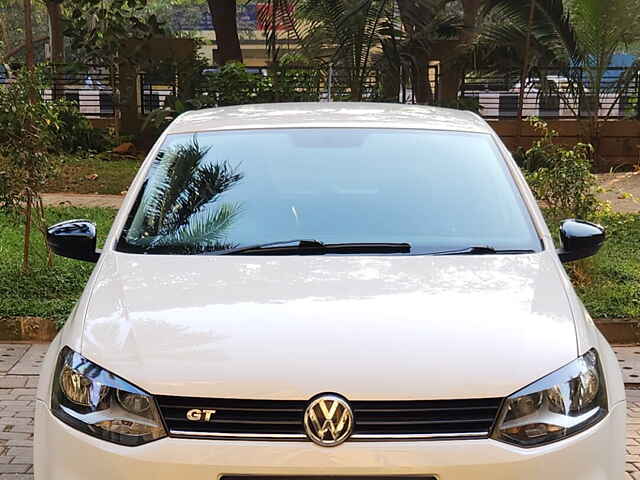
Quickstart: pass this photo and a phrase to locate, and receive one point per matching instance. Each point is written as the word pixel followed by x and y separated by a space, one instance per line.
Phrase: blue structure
pixel 619 63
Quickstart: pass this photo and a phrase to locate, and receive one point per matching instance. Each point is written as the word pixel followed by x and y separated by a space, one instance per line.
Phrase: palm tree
pixel 356 34
pixel 424 24
pixel 569 33
pixel 580 36
pixel 504 27
pixel 338 32
pixel 179 205
pixel 602 28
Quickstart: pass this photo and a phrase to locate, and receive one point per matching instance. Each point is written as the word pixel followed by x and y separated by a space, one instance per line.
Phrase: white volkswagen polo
pixel 341 291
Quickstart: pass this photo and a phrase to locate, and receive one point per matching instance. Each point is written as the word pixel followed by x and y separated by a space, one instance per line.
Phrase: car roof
pixel 328 115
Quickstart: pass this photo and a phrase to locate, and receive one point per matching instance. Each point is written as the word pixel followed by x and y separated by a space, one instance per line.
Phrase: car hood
pixel 291 327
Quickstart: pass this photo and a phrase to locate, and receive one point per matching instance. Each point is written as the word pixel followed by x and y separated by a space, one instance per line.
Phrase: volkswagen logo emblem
pixel 328 420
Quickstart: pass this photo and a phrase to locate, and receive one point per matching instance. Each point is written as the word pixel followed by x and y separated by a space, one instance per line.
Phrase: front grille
pixel 373 420
pixel 432 418
pixel 233 417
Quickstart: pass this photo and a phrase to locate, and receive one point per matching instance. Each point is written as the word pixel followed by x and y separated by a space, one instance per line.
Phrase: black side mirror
pixel 580 239
pixel 74 239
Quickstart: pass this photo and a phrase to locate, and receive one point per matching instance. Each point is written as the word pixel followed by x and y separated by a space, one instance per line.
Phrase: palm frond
pixel 504 28
pixel 205 186
pixel 176 169
pixel 179 203
pixel 342 32
pixel 205 229
pixel 277 15
pixel 559 17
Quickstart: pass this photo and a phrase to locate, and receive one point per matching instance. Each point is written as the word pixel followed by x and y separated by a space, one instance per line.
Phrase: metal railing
pixel 337 86
pixel 548 93
pixel 154 92
pixel 92 90
pixel 555 94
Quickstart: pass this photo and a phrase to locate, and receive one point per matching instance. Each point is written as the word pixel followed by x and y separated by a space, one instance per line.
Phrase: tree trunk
pixel 56 42
pixel 3 39
pixel 420 81
pixel 26 244
pixel 470 17
pixel 405 9
pixel 451 72
pixel 226 27
pixel 390 83
pixel 30 61
pixel 55 31
pixel 410 11
pixel 28 35
pixel 524 74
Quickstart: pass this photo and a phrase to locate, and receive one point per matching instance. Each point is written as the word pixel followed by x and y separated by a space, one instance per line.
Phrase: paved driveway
pixel 19 365
pixel 622 190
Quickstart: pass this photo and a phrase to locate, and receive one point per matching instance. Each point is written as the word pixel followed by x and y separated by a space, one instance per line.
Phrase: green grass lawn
pixel 45 292
pixel 609 283
pixel 103 174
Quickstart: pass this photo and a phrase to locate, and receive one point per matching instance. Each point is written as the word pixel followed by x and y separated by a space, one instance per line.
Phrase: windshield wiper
pixel 315 247
pixel 482 250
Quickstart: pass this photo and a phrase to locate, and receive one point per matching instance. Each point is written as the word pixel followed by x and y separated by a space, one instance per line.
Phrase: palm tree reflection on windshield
pixel 181 202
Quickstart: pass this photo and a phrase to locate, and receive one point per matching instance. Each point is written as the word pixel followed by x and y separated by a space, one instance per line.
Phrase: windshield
pixel 436 191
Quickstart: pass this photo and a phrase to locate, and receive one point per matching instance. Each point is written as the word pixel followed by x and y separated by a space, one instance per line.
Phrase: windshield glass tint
pixel 434 190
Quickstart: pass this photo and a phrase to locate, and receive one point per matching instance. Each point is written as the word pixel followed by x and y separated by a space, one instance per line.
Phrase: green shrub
pixel 75 133
pixel 233 85
pixel 27 140
pixel 28 134
pixel 560 177
pixel 632 109
pixel 60 121
pixel 288 82
pixel 296 79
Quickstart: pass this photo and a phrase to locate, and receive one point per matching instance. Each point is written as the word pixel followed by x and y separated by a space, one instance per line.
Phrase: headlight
pixel 564 403
pixel 96 402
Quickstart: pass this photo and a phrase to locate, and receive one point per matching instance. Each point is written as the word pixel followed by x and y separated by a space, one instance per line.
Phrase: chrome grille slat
pixel 425 410
pixel 423 422
pixel 373 420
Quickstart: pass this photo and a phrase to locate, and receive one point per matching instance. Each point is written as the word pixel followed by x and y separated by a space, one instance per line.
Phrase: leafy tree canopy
pixel 98 29
pixel 12 27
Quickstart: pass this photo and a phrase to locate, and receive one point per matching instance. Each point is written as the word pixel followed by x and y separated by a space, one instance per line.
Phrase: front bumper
pixel 62 453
